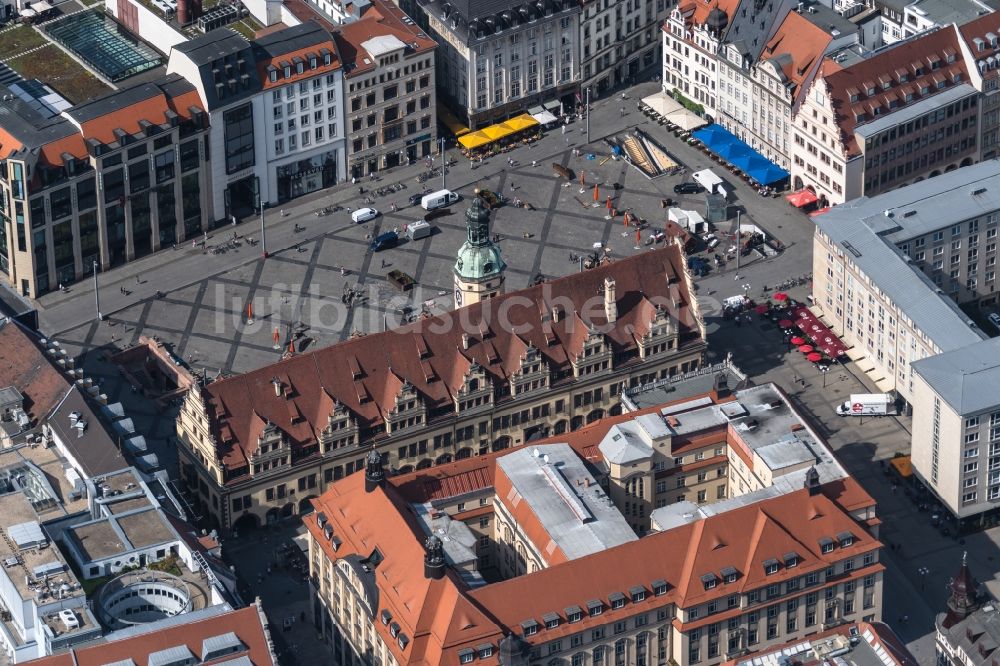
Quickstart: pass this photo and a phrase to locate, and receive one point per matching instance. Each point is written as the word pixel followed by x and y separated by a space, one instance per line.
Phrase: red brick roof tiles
pixel 913 56
pixel 365 374
pixel 26 367
pixel 382 18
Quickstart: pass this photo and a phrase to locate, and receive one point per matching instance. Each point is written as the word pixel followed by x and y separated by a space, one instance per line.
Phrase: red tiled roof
pixel 979 28
pixel 245 623
pixel 449 480
pixel 278 62
pixel 909 56
pixel 365 374
pixel 26 367
pixel 797 50
pixel 382 18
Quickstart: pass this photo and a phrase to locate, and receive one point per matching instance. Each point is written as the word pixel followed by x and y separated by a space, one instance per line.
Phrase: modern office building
pixel 389 82
pixel 500 58
pixel 519 553
pixel 257 446
pixel 100 183
pixel 888 271
pixel 275 106
pixel 906 113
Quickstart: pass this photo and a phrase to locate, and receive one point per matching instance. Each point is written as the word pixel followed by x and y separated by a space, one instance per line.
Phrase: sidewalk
pixel 169 270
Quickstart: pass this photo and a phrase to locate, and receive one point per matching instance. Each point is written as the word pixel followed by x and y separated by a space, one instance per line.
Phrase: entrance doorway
pixel 242 198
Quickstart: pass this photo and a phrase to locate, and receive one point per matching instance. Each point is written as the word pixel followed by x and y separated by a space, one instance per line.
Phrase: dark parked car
pixel 415 199
pixel 384 241
pixel 687 188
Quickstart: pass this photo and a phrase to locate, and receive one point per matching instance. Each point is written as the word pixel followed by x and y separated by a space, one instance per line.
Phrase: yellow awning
pixel 495 132
pixel 474 140
pixel 902 465
pixel 449 120
pixel 521 122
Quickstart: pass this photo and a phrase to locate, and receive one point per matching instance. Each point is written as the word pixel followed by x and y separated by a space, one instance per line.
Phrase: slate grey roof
pixel 214 50
pixel 171 84
pixel 863 229
pixel 469 20
pixel 27 125
pixel 296 38
pixel 968 379
pixel 981 628
pixel 913 111
pixel 754 23
pixel 212 46
pixel 944 12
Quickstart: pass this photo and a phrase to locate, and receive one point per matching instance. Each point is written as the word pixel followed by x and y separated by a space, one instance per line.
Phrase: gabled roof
pixel 981 36
pixel 364 374
pixel 25 366
pixel 796 51
pixel 924 60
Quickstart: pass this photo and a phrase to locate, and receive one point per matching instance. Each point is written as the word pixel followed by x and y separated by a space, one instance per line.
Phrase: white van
pixel 438 199
pixel 419 229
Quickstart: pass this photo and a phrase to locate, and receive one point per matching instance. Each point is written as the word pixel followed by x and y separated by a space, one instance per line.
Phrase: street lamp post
pixel 263 238
pixel 586 109
pixel 444 164
pixel 97 295
pixel 923 571
pixel 824 369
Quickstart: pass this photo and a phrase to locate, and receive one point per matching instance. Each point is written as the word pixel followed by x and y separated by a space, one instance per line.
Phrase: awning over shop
pixel 27 12
pixel 535 110
pixel 499 131
pixel 686 120
pixel 726 145
pixel 544 117
pixel 449 120
pixel 662 104
pixel 802 198
pixel 552 105
pixel 903 465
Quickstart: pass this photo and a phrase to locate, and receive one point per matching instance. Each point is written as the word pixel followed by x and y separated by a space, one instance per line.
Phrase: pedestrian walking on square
pixel 623 112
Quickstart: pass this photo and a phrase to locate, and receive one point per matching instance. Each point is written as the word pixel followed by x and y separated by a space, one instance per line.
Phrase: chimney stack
pixel 276 383
pixel 610 303
pixel 374 473
pixel 182 12
pixel 555 314
pixel 465 340
pixel 720 389
pixel 812 481
pixel 433 558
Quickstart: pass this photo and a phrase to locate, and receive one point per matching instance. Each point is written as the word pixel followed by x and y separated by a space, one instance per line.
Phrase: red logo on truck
pixel 857 407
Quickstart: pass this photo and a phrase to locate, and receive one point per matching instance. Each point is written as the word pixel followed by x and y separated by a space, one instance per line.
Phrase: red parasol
pixel 785 323
pixel 798 340
pixel 277 336
pixel 608 203
pixel 597 192
pixel 291 346
pixel 582 178
pixel 638 236
pixel 250 311
pixel 814 357
pixel 805 349
pixel 779 296
pixel 760 309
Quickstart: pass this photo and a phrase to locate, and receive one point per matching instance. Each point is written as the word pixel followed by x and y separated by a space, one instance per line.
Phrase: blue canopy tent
pixel 729 147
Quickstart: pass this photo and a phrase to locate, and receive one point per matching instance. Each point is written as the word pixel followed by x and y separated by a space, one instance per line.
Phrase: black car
pixel 687 188
pixel 415 199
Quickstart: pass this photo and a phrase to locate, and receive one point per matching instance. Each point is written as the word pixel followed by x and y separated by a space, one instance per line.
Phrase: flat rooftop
pixel 56 471
pixel 679 387
pixel 98 539
pixel 146 528
pixel 566 500
pixel 37 573
pixel 966 378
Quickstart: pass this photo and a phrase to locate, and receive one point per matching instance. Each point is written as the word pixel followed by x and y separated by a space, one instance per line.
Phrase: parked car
pixel 688 188
pixel 995 319
pixel 384 241
pixel 364 215
pixel 415 199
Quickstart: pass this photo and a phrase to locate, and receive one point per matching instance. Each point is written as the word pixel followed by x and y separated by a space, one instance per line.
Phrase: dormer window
pixel 594 608
pixel 327 59
pixel 394 629
pixel 846 539
pixel 826 545
pixel 729 575
pixel 529 627
pixel 312 62
pixel 870 91
pixel 638 593
pixel 485 651
pixel 287 71
pixel 709 581
pixel 551 620
pixel 272 75
pixel 770 567
pixel 386 616
pixel 617 600
pixel 659 587
pixel 574 614
pixel 791 560
pixel 403 641
pixel 466 656
pixel 299 67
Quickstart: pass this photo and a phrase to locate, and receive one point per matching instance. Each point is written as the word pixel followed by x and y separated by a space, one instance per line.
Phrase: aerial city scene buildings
pixel 562 332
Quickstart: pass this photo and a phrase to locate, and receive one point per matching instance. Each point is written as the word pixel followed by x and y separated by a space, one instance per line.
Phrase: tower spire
pixel 964 598
pixel 479 266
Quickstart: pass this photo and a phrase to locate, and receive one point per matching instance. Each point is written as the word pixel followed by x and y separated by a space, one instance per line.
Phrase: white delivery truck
pixel 868 404
pixel 438 199
pixel 419 229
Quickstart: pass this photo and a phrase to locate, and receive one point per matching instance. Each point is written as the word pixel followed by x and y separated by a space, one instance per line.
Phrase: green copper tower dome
pixel 479 267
